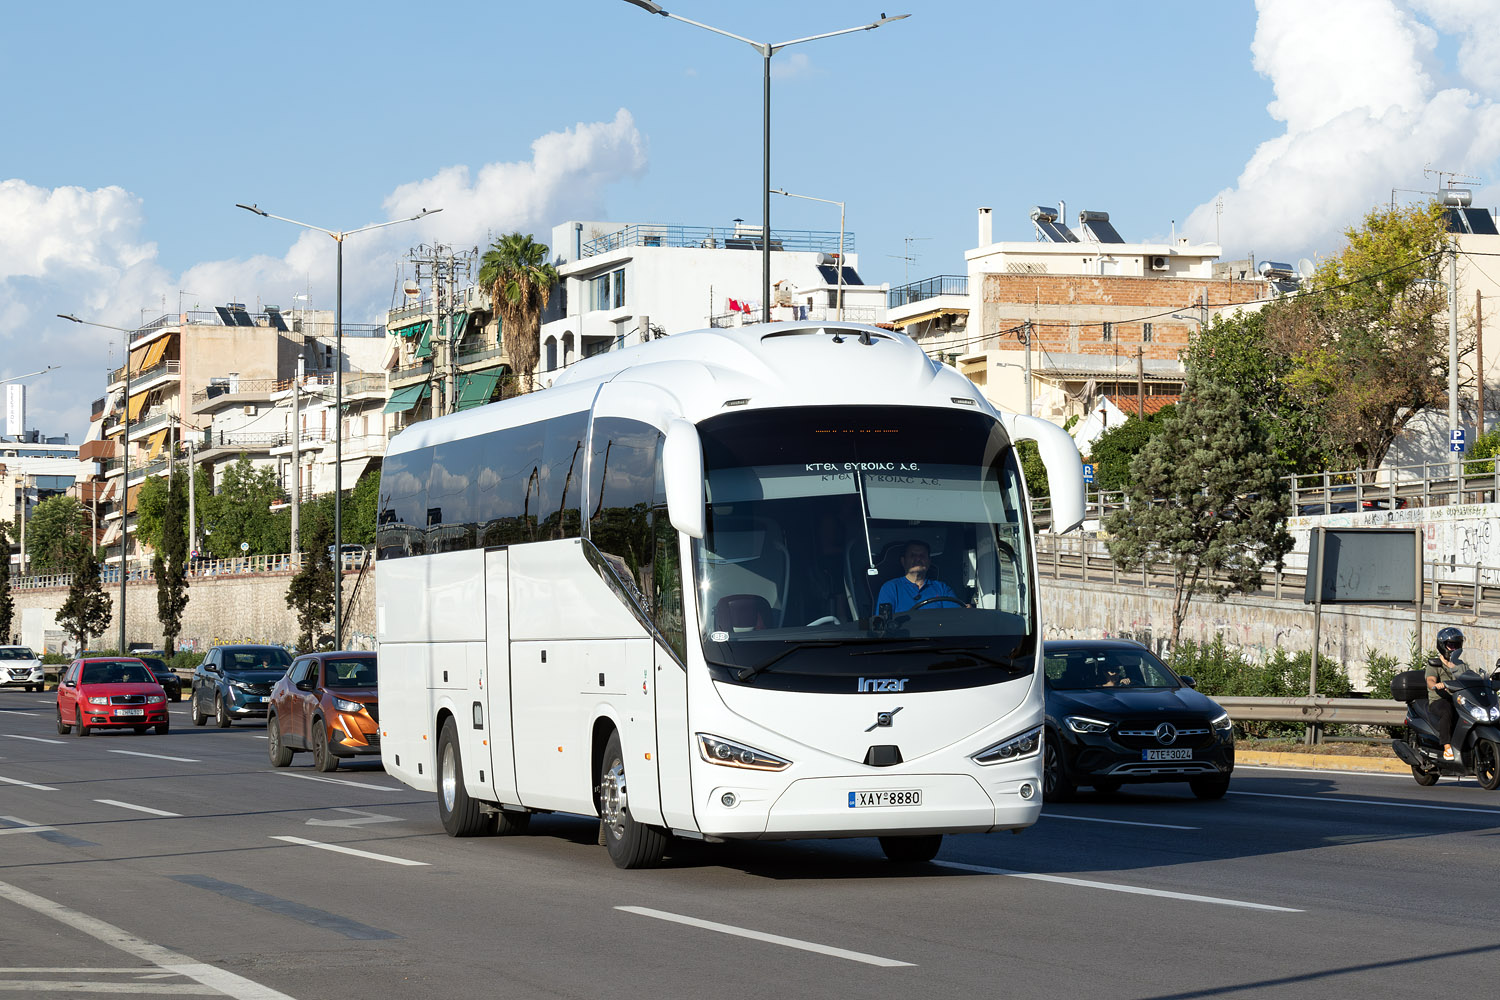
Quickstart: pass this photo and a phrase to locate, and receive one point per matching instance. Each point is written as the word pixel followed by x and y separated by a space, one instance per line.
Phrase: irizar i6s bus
pixel 653 593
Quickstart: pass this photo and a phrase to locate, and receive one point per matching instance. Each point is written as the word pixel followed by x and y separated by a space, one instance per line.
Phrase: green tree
pixel 1206 499
pixel 86 611
pixel 55 532
pixel 516 273
pixel 1035 470
pixel 170 563
pixel 310 592
pixel 150 508
pixel 1114 450
pixel 241 512
pixel 7 603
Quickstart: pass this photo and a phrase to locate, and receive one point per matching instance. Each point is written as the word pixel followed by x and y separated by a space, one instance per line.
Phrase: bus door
pixel 491 703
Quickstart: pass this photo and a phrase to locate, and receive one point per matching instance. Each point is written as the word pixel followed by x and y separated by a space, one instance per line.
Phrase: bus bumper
pixel 834 807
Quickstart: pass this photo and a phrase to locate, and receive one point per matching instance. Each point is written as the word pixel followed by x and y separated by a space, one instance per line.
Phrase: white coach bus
pixel 652 593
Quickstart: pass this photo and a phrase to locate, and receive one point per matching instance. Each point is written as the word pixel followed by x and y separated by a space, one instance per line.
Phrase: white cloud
pixel 73 250
pixel 1366 108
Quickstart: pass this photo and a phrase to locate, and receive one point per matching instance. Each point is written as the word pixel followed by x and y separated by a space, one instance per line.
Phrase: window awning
pixel 130 498
pixel 932 314
pixel 154 443
pixel 137 403
pixel 111 534
pixel 411 329
pixel 457 325
pixel 405 398
pixel 424 349
pixel 154 354
pixel 138 357
pixel 476 388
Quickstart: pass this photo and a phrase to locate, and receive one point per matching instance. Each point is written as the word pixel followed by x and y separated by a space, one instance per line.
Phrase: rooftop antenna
pixel 1218 216
pixel 908 257
pixel 1452 175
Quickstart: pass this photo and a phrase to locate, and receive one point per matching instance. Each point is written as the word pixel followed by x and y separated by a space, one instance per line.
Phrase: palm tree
pixel 516 273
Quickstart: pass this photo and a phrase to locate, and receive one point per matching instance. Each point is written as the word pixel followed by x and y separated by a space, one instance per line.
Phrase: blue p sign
pixel 1088 473
pixel 1456 440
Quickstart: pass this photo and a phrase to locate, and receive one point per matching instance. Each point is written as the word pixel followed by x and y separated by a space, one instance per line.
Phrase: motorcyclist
pixel 1440 670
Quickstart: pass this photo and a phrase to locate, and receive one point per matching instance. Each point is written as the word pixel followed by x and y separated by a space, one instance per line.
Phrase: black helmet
pixel 1448 640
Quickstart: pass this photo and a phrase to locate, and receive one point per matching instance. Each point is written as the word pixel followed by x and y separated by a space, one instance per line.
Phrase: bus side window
pixel 506 499
pixel 561 477
pixel 451 495
pixel 622 476
pixel 402 521
pixel 666 584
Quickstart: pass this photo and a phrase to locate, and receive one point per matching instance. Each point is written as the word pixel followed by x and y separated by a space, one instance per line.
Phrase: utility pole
pixel 1027 334
pixel 192 475
pixel 1454 457
pixel 1140 383
pixel 297 463
pixel 1479 356
pixel 440 265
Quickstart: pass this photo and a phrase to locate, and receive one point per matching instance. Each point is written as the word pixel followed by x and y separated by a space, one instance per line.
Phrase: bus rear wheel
pixel 460 814
pixel 631 844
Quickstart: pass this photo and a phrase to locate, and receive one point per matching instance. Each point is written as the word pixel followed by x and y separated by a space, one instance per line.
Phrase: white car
pixel 20 667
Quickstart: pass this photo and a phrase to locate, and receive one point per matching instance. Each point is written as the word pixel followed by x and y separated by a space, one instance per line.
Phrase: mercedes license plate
pixel 904 797
pixel 130 711
pixel 1181 753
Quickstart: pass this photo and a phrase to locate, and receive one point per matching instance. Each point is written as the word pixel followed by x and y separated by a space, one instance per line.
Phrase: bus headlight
pixel 1015 748
pixel 721 751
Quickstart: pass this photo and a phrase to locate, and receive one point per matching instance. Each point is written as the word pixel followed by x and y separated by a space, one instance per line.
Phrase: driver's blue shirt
pixel 901 594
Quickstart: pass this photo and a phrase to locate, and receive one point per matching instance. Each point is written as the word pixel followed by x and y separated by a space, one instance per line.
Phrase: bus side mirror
pixel 682 474
pixel 1064 466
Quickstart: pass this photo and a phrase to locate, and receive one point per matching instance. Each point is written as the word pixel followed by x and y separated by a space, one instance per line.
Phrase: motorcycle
pixel 1476 728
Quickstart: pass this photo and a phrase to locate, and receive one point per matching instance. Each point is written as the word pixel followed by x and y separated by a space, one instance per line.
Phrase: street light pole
pixel 125 459
pixel 829 201
pixel 766 50
pixel 338 236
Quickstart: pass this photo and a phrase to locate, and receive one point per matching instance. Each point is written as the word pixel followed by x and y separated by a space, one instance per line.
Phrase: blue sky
pixel 142 126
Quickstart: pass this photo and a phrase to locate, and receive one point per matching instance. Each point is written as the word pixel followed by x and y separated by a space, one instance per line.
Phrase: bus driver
pixel 902 593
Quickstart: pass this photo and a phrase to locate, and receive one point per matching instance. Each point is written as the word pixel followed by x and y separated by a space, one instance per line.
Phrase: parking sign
pixel 1456 440
pixel 1088 473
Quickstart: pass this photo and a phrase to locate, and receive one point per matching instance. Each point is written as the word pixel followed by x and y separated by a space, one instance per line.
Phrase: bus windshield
pixel 839 539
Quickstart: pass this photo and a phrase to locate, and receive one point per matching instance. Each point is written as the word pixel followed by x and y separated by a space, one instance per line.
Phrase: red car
pixel 110 693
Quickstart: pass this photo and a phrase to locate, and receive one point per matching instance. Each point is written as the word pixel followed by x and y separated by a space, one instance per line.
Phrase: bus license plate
pixel 1174 754
pixel 903 797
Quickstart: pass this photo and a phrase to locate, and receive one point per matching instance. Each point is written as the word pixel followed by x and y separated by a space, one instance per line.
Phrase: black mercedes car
pixel 165 676
pixel 1116 714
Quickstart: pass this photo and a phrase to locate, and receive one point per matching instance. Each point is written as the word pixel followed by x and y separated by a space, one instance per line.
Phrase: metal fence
pixel 710 237
pixel 238 566
pixel 927 288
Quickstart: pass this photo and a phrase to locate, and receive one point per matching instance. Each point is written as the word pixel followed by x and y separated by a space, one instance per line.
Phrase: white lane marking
pixel 361 818
pixel 25 826
pixel 821 949
pixel 158 756
pixel 29 715
pixel 349 850
pixel 163 958
pixel 144 809
pixel 27 784
pixel 1116 887
pixel 337 781
pixel 85 986
pixel 262 737
pixel 1325 799
pixel 1119 822
pixel 34 739
pixel 1257 768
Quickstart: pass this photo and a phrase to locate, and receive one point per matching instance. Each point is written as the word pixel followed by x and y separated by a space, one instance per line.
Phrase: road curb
pixel 1320 762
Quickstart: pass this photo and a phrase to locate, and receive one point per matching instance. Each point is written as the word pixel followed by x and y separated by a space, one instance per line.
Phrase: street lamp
pixel 828 201
pixel 766 50
pixel 338 236
pixel 125 458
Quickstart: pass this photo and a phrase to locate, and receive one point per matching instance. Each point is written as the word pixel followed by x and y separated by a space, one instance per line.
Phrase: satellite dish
pixel 411 288
pixel 1305 268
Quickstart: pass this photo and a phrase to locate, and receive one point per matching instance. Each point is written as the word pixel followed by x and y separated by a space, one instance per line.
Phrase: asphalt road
pixel 184 865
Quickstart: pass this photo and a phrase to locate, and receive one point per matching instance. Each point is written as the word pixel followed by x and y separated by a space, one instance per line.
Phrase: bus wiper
pixel 746 673
pixel 1008 660
pixel 864 518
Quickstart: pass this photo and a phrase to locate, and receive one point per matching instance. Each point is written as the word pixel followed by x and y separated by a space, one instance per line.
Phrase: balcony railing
pixel 709 237
pixel 424 368
pixel 169 367
pixel 927 288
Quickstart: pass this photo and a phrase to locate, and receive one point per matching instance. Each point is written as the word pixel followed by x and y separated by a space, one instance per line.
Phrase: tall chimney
pixel 986 227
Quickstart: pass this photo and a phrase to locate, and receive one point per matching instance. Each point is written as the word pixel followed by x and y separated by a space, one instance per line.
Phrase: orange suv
pixel 327 704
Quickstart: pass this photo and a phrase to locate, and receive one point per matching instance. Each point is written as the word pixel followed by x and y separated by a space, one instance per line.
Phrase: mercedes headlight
pixel 1016 747
pixel 347 706
pixel 721 751
pixel 1083 724
pixel 1222 723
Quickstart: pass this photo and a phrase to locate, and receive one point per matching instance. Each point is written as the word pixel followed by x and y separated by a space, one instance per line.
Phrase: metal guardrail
pixel 927 288
pixel 1317 710
pixel 1430 484
pixel 278 563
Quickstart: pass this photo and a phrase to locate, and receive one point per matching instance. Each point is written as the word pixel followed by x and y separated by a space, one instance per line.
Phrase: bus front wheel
pixel 631 844
pixel 460 814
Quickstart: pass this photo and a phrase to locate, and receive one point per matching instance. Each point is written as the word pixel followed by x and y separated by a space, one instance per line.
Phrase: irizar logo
pixel 882 685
